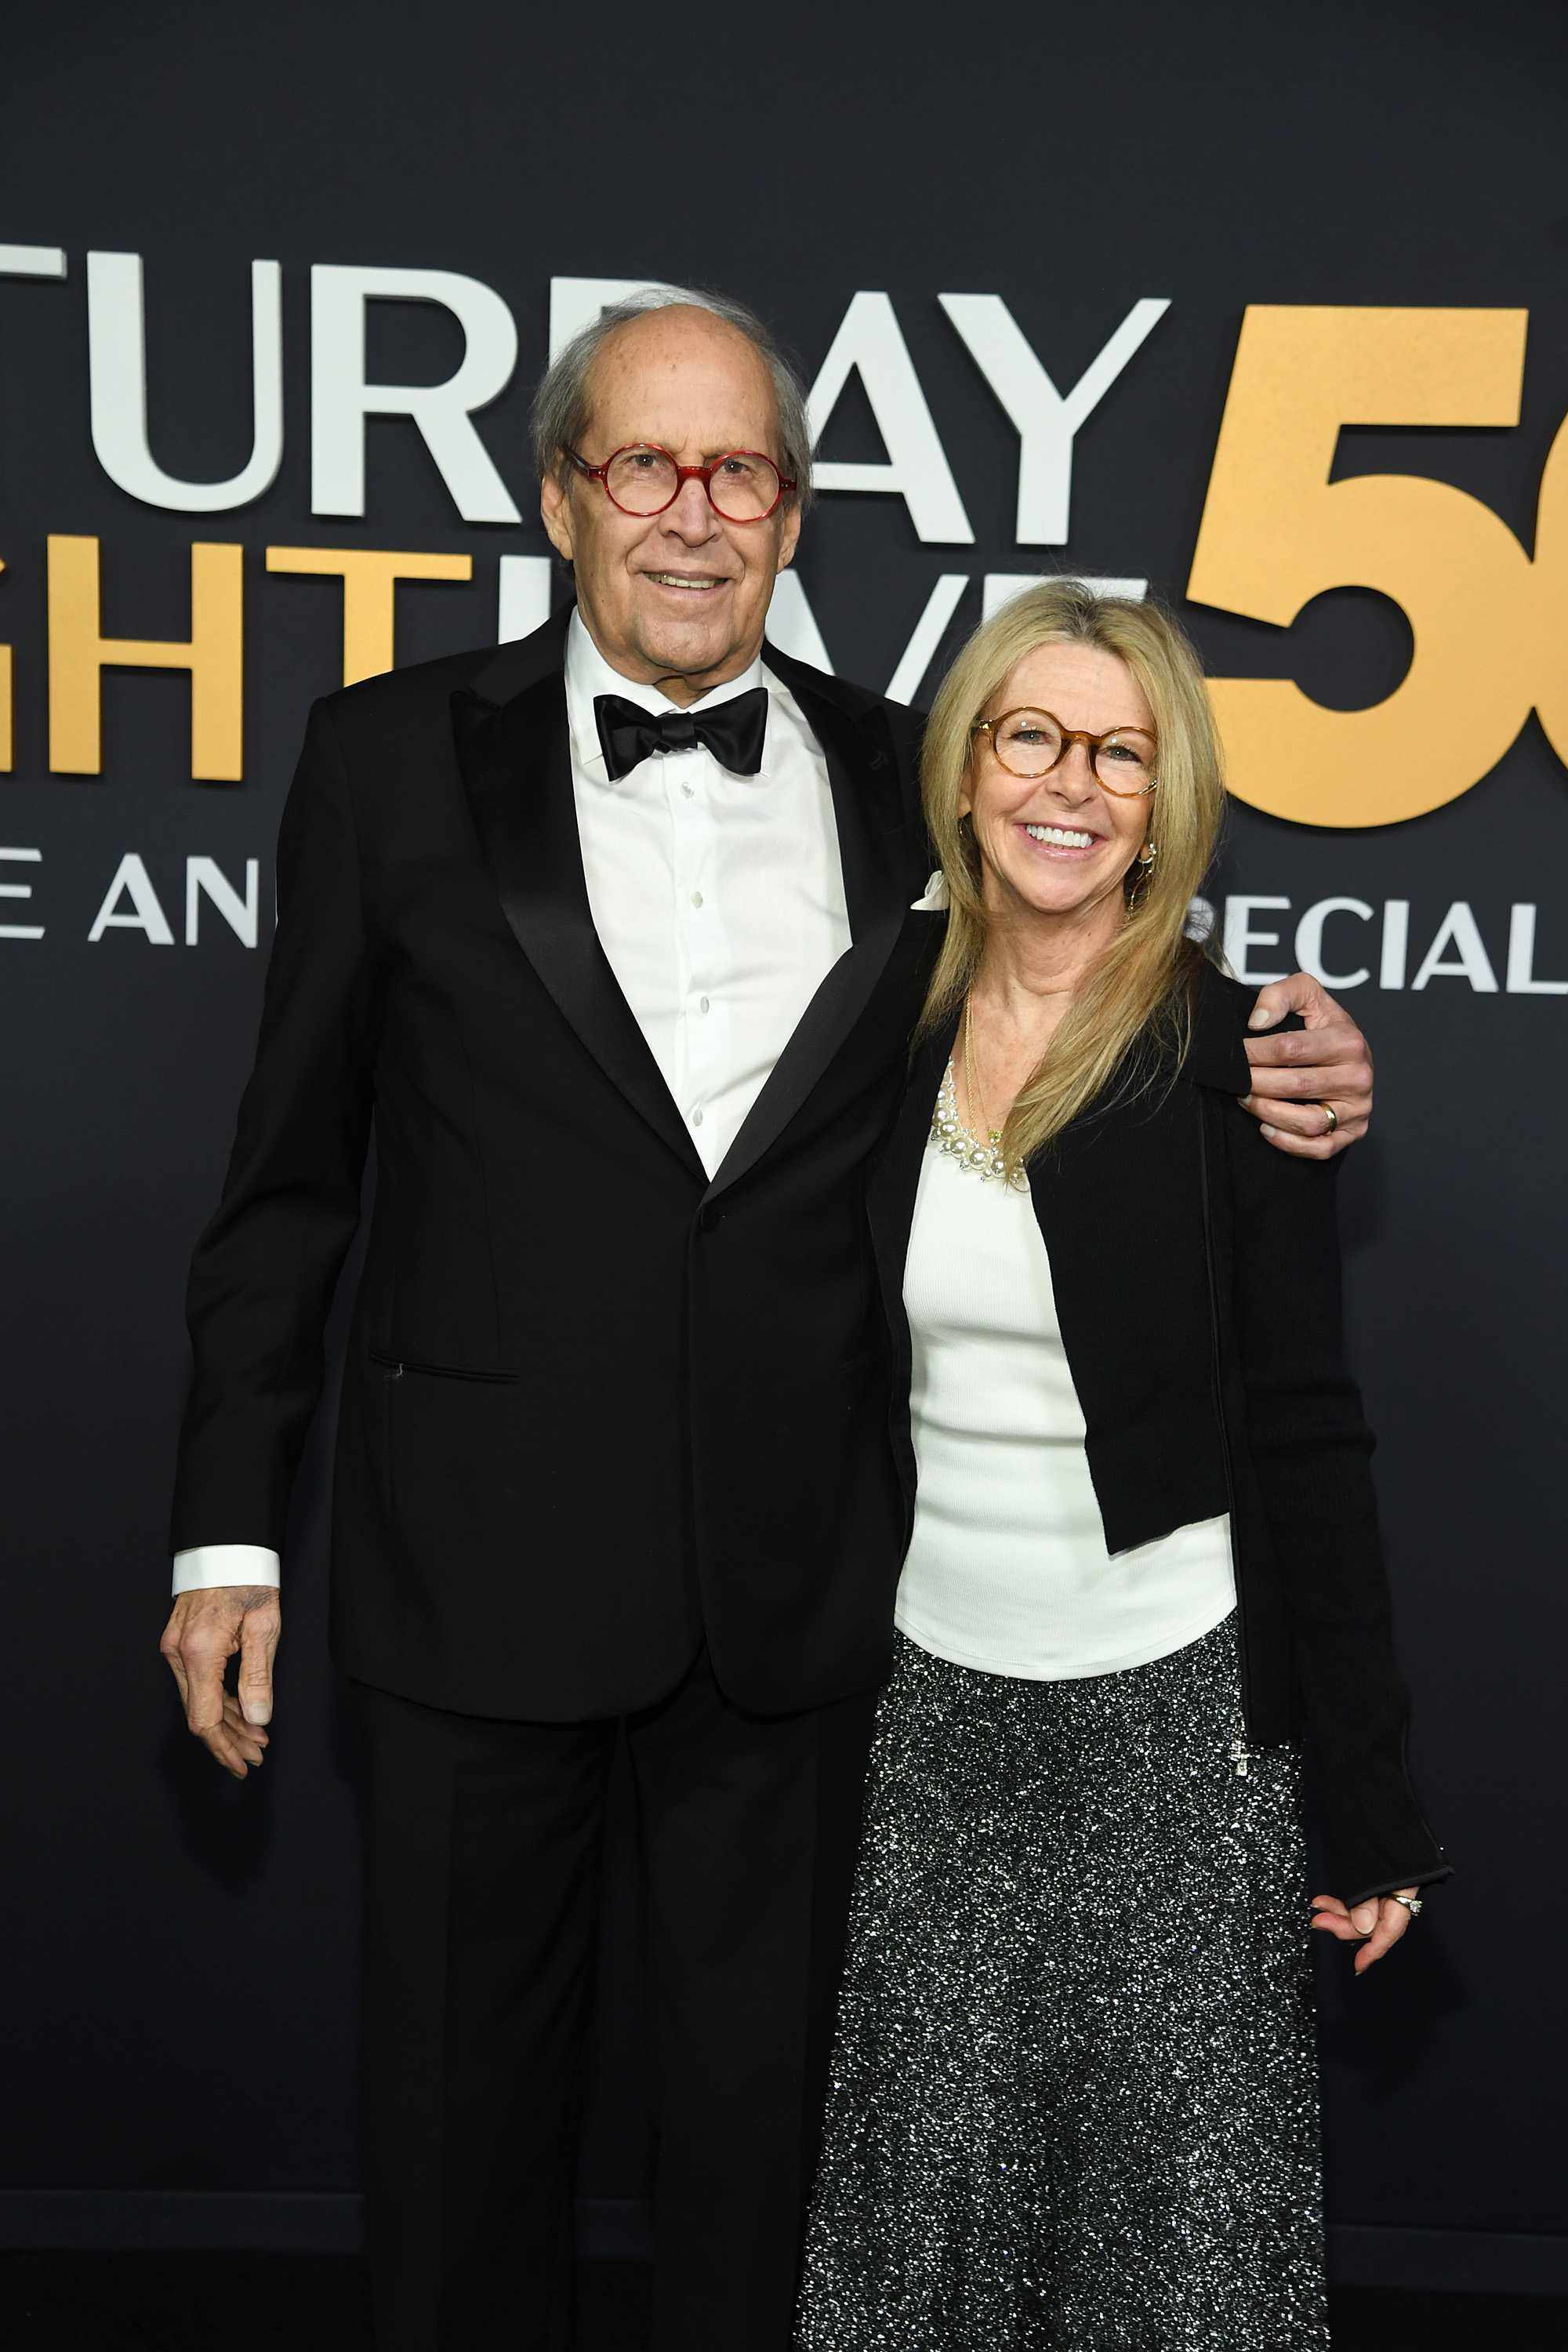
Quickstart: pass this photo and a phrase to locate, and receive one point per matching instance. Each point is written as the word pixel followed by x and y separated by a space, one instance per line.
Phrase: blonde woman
pixel 1074 2093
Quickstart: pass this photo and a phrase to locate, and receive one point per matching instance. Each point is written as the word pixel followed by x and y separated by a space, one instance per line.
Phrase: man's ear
pixel 556 514
pixel 788 536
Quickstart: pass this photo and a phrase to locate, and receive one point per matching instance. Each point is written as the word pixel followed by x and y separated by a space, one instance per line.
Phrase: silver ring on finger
pixel 1412 1904
pixel 1334 1118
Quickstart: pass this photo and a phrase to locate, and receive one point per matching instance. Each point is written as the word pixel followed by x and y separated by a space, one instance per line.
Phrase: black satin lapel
pixel 516 765
pixel 822 1029
pixel 875 859
pixel 868 808
pixel 891 1199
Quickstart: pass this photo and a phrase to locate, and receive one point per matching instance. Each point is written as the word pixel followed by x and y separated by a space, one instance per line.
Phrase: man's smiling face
pixel 679 599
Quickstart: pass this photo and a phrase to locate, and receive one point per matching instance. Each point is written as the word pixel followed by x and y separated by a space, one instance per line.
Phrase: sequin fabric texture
pixel 1074 2099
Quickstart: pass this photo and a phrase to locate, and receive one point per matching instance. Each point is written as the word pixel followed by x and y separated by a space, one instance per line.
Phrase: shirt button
pixel 697 898
pixel 686 792
pixel 697 1119
pixel 702 1004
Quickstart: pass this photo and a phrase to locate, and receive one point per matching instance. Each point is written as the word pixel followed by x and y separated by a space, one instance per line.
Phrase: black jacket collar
pixel 514 667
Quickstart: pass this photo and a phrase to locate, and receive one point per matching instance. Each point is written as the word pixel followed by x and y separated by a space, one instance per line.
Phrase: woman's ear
pixel 966 783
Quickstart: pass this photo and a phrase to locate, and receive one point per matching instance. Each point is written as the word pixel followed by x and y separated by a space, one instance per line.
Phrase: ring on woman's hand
pixel 1412 1904
pixel 1334 1118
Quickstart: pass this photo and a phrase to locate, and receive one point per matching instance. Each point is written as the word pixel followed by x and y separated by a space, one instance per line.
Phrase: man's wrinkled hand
pixel 206 1629
pixel 1301 1075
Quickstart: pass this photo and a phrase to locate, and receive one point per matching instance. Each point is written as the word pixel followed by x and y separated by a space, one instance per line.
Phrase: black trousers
pixel 483 1847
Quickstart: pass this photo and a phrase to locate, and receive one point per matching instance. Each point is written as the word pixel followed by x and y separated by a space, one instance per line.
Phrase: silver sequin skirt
pixel 1074 2098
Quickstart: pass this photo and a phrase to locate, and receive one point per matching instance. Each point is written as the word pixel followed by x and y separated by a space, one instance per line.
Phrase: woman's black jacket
pixel 1196 1272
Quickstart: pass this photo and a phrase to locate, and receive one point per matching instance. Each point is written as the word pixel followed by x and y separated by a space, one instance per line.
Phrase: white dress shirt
pixel 1007 1569
pixel 719 900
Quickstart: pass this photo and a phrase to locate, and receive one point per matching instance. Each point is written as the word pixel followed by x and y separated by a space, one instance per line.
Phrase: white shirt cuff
pixel 209 1564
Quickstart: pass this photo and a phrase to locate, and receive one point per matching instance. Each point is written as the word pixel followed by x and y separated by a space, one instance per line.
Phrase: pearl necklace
pixel 952 1139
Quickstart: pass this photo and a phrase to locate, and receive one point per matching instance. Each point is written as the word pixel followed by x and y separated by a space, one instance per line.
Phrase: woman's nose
pixel 1073 775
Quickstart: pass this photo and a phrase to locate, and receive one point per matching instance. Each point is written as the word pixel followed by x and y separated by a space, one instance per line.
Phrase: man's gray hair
pixel 559 413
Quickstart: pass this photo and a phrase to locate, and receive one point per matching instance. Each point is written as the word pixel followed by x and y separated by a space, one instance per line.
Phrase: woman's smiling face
pixel 1057 845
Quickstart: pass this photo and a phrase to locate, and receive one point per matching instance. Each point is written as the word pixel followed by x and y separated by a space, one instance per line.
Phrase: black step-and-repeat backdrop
pixel 1267 309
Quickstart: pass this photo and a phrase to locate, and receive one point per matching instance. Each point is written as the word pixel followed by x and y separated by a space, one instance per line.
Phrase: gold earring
pixel 1142 867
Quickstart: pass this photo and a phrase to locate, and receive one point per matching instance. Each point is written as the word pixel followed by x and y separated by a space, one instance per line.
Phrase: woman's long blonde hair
pixel 1142 986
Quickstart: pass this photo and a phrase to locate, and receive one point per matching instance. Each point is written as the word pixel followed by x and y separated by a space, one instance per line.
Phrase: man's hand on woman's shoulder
pixel 1311 1087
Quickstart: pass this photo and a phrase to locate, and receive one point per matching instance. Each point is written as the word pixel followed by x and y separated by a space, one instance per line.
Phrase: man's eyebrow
pixel 710 457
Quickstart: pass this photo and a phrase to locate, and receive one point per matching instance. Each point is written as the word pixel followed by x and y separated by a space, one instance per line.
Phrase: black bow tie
pixel 732 731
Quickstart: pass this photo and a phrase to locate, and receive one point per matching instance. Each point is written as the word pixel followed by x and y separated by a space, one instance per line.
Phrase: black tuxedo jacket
pixel 597 1409
pixel 1196 1273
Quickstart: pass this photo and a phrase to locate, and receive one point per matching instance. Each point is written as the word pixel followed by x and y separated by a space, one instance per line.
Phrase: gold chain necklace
pixel 977 1108
pixel 954 1140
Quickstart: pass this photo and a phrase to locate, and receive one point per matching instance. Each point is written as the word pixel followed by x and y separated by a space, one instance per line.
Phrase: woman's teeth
pixel 1060 836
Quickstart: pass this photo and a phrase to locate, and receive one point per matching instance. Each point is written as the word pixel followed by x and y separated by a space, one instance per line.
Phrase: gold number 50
pixel 1277 532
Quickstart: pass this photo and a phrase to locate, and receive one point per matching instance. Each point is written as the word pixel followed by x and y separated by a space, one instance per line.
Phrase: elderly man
pixel 608 932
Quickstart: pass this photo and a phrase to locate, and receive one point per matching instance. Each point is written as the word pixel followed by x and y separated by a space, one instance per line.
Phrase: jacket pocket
pixel 396 1367
pixel 461 1467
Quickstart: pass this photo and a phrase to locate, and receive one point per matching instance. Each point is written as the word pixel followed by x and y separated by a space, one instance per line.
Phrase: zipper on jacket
pixel 1240 1753
pixel 395 1366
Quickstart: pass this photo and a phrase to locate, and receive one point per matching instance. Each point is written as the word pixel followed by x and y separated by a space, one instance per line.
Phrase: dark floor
pixel 273 2303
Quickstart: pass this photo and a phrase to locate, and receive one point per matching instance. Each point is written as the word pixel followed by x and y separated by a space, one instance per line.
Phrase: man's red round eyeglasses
pixel 642 479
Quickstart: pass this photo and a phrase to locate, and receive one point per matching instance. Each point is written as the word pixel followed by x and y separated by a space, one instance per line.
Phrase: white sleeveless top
pixel 1007 1569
